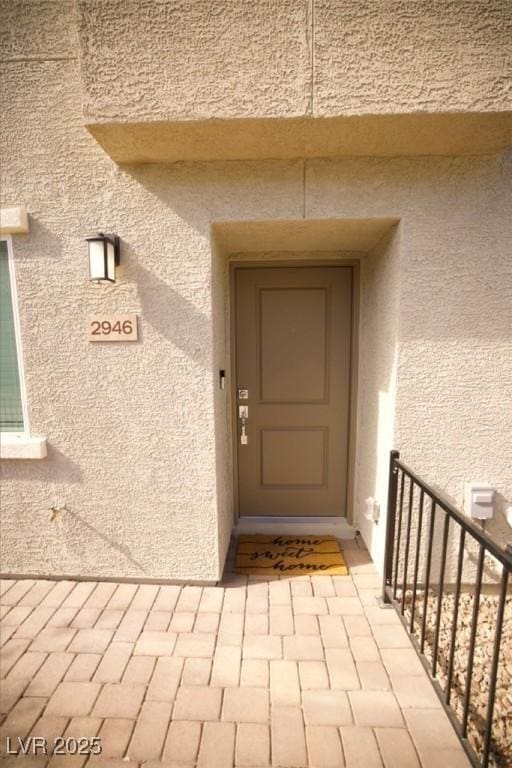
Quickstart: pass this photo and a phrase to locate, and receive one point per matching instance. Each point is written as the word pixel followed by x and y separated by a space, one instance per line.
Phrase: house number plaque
pixel 112 328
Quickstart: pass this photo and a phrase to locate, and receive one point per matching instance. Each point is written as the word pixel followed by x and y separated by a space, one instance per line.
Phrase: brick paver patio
pixel 292 672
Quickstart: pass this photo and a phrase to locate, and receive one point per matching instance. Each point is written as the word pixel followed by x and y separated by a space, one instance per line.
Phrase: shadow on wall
pixel 191 193
pixel 56 468
pixel 380 283
pixel 172 315
pixel 222 399
pixel 49 245
pixel 498 526
pixel 200 193
pixel 86 530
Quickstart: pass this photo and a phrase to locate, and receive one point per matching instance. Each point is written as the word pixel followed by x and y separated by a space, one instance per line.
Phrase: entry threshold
pixel 332 526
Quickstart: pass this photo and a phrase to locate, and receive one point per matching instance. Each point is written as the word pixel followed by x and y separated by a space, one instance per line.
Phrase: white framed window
pixel 16 441
pixel 13 400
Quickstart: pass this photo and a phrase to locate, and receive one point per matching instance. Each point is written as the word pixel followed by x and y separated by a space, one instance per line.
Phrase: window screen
pixel 11 413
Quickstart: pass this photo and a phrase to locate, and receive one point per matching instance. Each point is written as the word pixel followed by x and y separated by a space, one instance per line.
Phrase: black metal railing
pixel 449 582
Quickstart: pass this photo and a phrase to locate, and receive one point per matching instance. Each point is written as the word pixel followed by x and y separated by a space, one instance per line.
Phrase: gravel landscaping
pixel 501 742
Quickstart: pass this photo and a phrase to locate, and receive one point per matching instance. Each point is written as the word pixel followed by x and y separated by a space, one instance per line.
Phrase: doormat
pixel 291 555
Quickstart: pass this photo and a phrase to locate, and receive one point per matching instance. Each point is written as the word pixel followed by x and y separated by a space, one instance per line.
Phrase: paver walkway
pixel 291 672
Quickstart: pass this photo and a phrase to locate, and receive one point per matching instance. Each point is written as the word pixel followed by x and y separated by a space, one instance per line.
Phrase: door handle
pixel 243 415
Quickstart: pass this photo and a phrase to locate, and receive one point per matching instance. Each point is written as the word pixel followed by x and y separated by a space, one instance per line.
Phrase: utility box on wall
pixel 479 500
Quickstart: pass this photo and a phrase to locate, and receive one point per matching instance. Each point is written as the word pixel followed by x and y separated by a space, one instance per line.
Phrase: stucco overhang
pixel 218 80
pixel 357 235
pixel 251 139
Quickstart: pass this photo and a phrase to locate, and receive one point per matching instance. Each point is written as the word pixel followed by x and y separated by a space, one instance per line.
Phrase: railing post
pixel 390 524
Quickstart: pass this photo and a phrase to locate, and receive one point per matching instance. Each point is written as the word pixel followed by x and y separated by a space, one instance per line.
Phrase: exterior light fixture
pixel 104 254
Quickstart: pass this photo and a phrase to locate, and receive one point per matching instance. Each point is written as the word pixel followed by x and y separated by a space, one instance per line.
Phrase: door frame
pixel 332 261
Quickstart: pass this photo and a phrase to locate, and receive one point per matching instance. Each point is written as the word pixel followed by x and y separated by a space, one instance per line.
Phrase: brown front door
pixel 293 339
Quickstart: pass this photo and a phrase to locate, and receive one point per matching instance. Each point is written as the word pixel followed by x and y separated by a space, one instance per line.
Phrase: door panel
pixel 293 457
pixel 292 343
pixel 293 346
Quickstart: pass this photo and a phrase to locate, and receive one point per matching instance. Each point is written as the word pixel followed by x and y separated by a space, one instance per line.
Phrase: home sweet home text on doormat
pixel 289 555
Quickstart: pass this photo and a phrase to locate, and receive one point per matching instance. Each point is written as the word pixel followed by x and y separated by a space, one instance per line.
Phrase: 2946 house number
pixel 112 328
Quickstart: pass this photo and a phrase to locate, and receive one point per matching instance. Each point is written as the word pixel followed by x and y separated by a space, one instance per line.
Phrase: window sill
pixel 18 446
pixel 14 220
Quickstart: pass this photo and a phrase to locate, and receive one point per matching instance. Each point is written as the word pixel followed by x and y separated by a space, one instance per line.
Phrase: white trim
pixel 17 335
pixel 17 445
pixel 13 220
pixel 333 526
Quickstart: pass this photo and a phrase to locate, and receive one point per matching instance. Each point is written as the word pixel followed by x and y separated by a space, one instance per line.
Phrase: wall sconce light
pixel 104 252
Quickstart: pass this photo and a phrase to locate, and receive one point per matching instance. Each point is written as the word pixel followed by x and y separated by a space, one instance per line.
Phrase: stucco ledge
pixel 13 220
pixel 15 446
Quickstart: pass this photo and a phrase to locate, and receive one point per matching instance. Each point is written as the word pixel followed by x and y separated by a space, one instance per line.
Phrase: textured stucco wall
pixel 455 315
pixel 132 450
pixel 386 56
pixel 210 80
pixel 222 404
pixel 131 439
pixel 378 358
pixel 178 60
pixel 134 454
pixel 181 60
pixel 38 29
